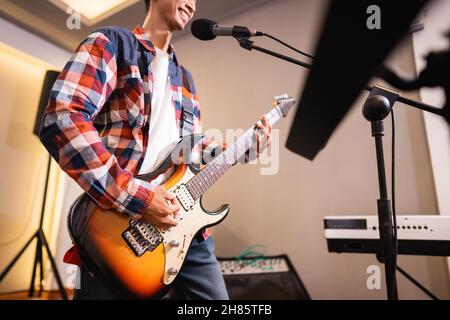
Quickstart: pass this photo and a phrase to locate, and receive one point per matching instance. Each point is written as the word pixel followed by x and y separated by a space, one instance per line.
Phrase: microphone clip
pixel 245 43
pixel 244 32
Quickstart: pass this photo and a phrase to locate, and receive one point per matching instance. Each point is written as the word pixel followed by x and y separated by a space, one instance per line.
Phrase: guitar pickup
pixel 184 197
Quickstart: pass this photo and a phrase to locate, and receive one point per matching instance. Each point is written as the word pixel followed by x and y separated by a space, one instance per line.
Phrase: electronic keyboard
pixel 427 235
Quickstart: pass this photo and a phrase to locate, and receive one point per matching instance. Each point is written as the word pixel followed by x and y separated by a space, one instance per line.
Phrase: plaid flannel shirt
pixel 96 123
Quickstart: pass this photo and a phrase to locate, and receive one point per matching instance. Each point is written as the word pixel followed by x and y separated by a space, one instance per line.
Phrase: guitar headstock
pixel 283 103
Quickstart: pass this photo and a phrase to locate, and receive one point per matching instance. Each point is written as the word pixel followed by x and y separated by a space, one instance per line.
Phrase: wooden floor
pixel 23 295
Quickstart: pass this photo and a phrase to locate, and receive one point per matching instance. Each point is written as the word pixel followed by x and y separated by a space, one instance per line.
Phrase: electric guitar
pixel 138 259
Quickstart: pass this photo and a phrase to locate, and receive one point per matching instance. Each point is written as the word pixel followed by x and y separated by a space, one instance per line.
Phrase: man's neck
pixel 158 32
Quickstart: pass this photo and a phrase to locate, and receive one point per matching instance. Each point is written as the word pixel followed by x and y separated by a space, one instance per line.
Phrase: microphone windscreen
pixel 202 29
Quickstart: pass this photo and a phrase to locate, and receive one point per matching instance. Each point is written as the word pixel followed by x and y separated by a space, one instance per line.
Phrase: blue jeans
pixel 200 278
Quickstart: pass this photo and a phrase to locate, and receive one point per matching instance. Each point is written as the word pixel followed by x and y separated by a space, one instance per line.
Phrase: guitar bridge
pixel 141 236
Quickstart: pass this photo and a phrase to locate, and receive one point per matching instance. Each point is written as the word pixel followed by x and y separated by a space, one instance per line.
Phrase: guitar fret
pixel 227 158
pixel 222 168
pixel 200 181
pixel 214 172
pixel 206 176
pixel 205 179
pixel 196 188
pixel 191 189
pixel 212 176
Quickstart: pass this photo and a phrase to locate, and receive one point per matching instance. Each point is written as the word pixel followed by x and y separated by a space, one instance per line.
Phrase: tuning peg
pixel 280 97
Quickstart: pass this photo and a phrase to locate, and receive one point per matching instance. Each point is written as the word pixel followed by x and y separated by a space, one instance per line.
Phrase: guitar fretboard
pixel 224 161
pixel 219 165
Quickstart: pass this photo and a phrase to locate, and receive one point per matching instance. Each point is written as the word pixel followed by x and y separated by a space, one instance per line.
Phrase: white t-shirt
pixel 163 130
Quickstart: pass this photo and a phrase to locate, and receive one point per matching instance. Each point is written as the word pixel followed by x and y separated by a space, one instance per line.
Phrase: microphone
pixel 205 29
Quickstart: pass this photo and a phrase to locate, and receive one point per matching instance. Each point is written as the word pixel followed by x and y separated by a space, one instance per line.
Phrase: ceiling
pixel 47 19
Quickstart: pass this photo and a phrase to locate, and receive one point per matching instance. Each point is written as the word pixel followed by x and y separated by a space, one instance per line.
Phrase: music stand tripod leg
pixel 41 241
pixel 37 259
pixel 18 255
pixel 54 267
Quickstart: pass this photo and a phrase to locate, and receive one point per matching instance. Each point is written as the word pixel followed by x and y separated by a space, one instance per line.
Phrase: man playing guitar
pixel 121 99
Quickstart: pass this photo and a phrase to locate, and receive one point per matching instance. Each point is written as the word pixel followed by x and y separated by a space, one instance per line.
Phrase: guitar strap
pixel 187 109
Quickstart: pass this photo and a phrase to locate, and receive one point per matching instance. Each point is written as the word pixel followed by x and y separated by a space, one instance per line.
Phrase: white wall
pixel 285 211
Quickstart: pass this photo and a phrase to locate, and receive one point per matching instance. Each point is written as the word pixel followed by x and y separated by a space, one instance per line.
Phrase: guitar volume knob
pixel 174 243
pixel 172 271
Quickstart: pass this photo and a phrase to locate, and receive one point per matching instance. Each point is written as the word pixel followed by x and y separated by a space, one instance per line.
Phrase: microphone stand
pixel 248 44
pixel 376 108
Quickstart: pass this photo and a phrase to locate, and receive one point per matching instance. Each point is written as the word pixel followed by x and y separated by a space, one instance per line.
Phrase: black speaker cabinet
pixel 262 278
pixel 49 80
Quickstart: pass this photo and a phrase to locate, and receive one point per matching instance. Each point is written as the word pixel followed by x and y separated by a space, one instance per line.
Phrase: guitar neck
pixel 216 168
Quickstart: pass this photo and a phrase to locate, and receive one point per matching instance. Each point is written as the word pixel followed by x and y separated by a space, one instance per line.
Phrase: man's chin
pixel 177 27
pixel 181 26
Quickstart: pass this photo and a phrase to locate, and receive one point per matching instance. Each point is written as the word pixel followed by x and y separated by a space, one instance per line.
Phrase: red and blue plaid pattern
pixel 96 123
